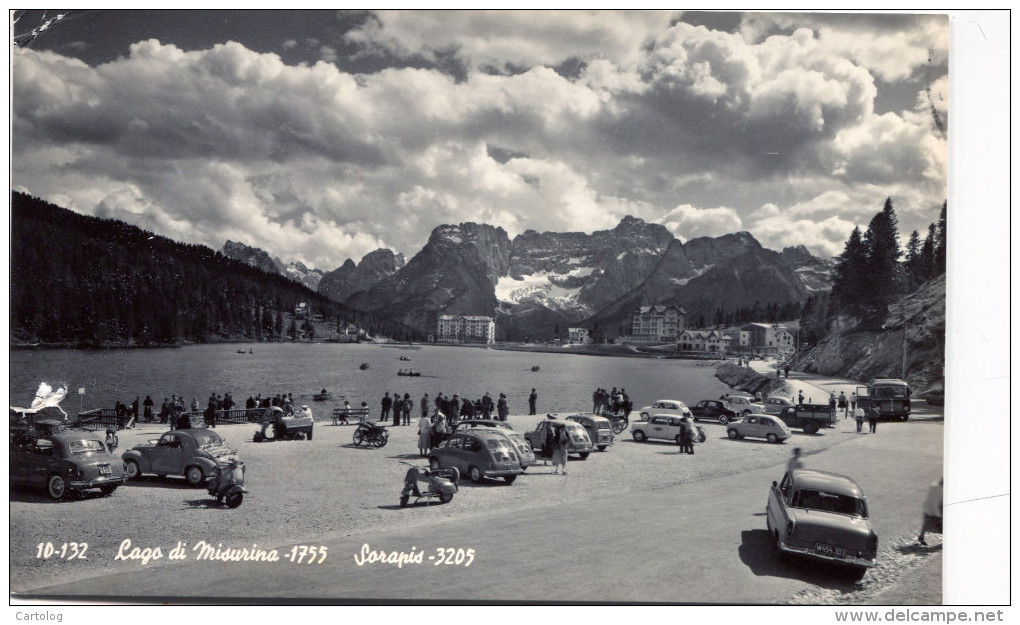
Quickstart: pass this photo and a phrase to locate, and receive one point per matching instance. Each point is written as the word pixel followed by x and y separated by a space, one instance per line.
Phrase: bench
pixel 340 415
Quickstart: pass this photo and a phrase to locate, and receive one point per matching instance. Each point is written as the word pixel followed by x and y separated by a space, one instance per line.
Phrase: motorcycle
pixel 371 434
pixel 618 421
pixel 228 483
pixel 440 484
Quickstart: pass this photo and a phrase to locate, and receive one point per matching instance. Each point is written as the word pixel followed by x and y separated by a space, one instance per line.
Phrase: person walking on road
pixel 559 456
pixel 872 419
pixel 424 434
pixel 832 405
pixel 841 403
pixel 853 402
pixel 932 511
pixel 859 417
pixel 795 461
pixel 532 399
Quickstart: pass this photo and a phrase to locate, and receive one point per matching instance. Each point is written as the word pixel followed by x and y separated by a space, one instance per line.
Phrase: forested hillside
pixel 84 281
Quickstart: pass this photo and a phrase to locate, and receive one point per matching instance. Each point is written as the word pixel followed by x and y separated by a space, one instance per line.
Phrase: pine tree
pixel 928 257
pixel 913 261
pixel 850 282
pixel 883 254
pixel 940 243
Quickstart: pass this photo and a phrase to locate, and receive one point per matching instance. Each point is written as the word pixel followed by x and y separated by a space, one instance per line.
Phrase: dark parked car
pixel 65 461
pixel 192 453
pixel 935 397
pixel 715 410
pixel 579 444
pixel 479 453
pixel 822 516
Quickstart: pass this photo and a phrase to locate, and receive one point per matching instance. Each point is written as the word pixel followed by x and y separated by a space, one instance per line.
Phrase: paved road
pixel 711 533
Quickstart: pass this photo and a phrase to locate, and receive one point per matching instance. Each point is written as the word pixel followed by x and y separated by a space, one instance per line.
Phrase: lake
pixel 565 382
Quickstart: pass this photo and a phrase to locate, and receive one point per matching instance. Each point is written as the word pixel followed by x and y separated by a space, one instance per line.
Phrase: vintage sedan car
pixel 665 406
pixel 743 405
pixel 580 445
pixel 822 516
pixel 663 427
pixel 193 453
pixel 935 397
pixel 464 424
pixel 714 410
pixel 479 453
pixel 599 429
pixel 64 462
pixel 776 405
pixel 768 427
pixel 524 452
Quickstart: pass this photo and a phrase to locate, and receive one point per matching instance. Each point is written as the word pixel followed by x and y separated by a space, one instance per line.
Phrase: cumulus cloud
pixel 775 129
pixel 687 222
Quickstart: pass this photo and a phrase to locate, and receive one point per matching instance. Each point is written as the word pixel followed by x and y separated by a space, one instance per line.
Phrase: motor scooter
pixel 440 484
pixel 227 482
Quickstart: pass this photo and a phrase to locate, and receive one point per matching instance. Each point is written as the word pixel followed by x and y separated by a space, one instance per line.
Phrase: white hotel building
pixel 465 329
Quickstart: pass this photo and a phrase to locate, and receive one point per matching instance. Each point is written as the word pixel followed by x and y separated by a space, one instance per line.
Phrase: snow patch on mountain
pixel 542 287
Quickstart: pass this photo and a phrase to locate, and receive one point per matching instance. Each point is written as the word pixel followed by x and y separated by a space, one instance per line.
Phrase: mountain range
pixel 539 283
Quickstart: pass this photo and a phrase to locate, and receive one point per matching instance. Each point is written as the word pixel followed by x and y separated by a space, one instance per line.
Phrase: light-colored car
pixel 664 427
pixel 599 429
pixel 665 406
pixel 759 426
pixel 822 516
pixel 64 462
pixel 776 405
pixel 579 445
pixel 193 453
pixel 479 453
pixel 744 405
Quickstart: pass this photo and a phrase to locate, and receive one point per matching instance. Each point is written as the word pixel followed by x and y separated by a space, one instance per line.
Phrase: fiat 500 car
pixel 579 445
pixel 65 462
pixel 822 516
pixel 664 427
pixel 759 426
pixel 193 453
pixel 479 453
pixel 665 406
pixel 599 429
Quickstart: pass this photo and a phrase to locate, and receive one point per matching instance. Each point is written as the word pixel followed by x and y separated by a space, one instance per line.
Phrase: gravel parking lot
pixel 304 491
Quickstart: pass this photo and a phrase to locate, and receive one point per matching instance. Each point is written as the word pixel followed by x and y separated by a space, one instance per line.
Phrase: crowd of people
pixel 614 401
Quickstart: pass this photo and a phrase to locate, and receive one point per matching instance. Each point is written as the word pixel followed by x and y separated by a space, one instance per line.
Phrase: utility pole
pixel 903 364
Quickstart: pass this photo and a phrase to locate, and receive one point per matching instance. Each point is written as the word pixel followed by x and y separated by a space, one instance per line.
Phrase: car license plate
pixel 830 550
pixel 104 470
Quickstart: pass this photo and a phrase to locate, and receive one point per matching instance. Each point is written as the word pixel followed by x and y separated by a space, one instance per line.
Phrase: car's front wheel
pixel 132 471
pixel 723 419
pixel 476 474
pixel 772 438
pixel 639 436
pixel 509 479
pixel 644 416
pixel 811 428
pixel 194 475
pixel 733 433
pixel 583 455
pixel 56 487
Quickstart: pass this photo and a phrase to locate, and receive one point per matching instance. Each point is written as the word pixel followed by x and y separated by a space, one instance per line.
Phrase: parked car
pixel 481 423
pixel 822 516
pixel 193 453
pixel 64 462
pixel 580 445
pixel 662 427
pixel 776 405
pixel 808 417
pixel 759 426
pixel 479 453
pixel 715 410
pixel 599 429
pixel 524 452
pixel 665 406
pixel 935 397
pixel 744 405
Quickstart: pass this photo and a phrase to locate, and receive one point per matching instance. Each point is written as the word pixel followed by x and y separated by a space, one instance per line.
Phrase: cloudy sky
pixel 321 136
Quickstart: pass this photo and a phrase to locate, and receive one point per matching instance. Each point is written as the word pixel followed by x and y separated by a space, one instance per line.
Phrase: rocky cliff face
pixel 814 273
pixel 250 255
pixel 297 272
pixel 864 354
pixel 350 278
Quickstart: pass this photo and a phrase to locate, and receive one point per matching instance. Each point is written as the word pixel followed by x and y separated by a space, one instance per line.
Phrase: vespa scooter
pixel 228 483
pixel 439 484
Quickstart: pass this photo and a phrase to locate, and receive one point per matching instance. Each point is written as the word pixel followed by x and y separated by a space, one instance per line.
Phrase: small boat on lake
pixel 322 396
pixel 403 358
pixel 409 373
pixel 535 368
pixel 363 366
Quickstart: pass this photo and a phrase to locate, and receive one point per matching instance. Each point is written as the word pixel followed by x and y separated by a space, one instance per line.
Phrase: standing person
pixel 832 405
pixel 467 409
pixel 502 409
pixel 786 372
pixel 147 407
pixel 549 444
pixel 859 418
pixel 453 413
pixel 794 462
pixel 387 403
pixel 532 399
pixel 487 405
pixel 932 511
pixel 596 400
pixel 439 429
pixel 686 436
pixel 841 403
pixel 872 418
pixel 425 405
pixel 560 451
pixel 853 402
pixel 396 408
pixel 424 433
pixel 407 406
pixel 164 411
pixel 800 397
pixel 194 404
pixel 134 408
